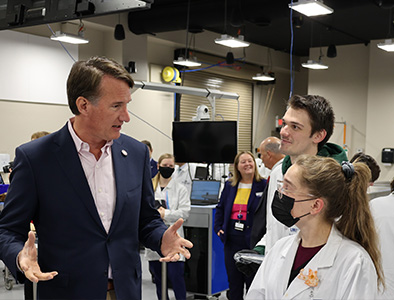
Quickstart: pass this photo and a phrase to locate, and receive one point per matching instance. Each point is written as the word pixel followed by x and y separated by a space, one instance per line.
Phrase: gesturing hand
pixel 27 260
pixel 172 244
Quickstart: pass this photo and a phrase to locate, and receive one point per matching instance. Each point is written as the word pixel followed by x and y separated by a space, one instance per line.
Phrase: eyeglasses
pixel 283 191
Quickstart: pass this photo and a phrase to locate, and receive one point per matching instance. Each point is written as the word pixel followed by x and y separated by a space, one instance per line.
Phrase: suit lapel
pixel 119 155
pixel 251 203
pixel 71 165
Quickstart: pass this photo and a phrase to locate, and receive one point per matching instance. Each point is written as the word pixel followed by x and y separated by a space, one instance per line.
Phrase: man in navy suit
pixel 88 190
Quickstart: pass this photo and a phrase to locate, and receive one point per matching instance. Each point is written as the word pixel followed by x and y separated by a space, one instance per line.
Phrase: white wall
pixel 380 107
pixel 345 85
pixel 19 120
pixel 359 86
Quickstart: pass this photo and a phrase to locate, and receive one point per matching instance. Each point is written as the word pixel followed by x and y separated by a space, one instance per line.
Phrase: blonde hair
pixel 237 174
pixel 38 134
pixel 155 180
pixel 346 201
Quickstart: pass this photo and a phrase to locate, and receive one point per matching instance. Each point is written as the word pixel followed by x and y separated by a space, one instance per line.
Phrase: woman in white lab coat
pixel 173 202
pixel 382 209
pixel 335 255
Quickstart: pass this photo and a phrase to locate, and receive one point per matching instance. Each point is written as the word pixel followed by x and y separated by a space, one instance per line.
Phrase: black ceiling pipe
pixel 203 15
pixel 172 18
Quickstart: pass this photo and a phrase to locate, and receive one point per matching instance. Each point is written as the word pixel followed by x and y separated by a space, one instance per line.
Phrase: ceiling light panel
pixel 232 42
pixel 186 62
pixel 311 8
pixel 68 38
pixel 263 77
pixel 314 65
pixel 388 45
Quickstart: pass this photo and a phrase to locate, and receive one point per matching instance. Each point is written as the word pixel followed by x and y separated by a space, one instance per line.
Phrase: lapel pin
pixel 124 153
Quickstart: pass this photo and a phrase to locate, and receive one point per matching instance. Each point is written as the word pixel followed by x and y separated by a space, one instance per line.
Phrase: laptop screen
pixel 205 192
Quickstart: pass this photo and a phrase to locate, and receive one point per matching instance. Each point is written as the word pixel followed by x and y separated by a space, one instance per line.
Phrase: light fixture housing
pixel 264 77
pixel 388 45
pixel 332 51
pixel 232 42
pixel 187 62
pixel 311 8
pixel 314 65
pixel 68 38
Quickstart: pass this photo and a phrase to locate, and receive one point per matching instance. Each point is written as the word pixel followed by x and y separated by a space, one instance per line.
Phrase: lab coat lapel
pixel 288 254
pixel 323 259
pixel 69 161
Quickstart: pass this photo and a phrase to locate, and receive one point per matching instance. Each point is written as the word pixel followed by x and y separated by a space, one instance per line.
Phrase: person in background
pixel 153 163
pixel 184 174
pixel 307 126
pixel 272 159
pixel 382 209
pixel 88 190
pixel 370 162
pixel 172 202
pixel 234 217
pixel 333 256
pixel 39 134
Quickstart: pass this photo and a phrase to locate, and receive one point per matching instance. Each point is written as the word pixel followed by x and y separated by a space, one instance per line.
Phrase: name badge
pixel 239 226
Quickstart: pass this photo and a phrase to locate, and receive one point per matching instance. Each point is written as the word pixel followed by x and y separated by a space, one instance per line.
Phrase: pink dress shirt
pixel 100 176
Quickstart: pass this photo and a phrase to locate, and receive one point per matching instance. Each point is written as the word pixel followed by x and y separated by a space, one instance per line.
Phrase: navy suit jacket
pixel 224 208
pixel 153 167
pixel 48 186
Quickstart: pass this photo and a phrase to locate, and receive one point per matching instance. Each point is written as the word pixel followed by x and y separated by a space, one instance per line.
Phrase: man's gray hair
pixel 273 147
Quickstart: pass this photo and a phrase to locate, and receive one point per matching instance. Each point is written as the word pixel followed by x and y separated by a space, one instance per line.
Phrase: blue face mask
pixel 282 206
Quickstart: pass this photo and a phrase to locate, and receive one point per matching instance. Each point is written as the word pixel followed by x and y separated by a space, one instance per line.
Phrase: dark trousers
pixel 28 288
pixel 175 274
pixel 236 279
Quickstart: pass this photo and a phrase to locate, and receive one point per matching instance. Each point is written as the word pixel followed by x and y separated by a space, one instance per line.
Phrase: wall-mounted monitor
pixel 205 141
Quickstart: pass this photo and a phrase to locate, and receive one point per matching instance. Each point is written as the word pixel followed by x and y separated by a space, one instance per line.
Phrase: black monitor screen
pixel 205 141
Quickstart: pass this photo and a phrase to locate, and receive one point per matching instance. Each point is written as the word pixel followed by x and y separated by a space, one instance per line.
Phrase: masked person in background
pixel 335 254
pixel 172 202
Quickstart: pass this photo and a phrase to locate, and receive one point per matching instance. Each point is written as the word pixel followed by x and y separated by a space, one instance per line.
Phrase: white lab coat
pixel 344 268
pixel 184 175
pixel 382 209
pixel 263 171
pixel 178 206
pixel 275 229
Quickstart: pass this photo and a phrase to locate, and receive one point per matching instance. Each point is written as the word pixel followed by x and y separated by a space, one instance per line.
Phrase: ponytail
pixel 356 222
pixel 344 191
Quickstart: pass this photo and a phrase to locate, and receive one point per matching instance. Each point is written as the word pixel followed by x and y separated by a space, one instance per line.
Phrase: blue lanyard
pixel 168 204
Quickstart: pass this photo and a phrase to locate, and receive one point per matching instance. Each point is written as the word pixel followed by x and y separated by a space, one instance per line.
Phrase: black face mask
pixel 166 172
pixel 281 209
